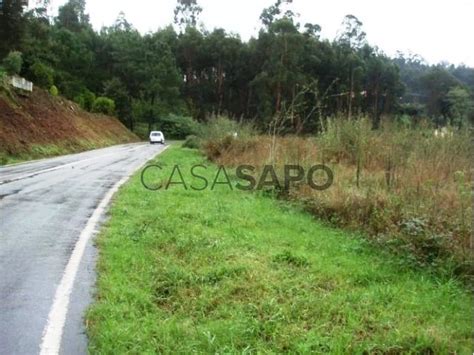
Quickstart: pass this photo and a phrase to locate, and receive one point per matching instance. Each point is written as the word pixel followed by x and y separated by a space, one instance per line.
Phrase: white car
pixel 157 137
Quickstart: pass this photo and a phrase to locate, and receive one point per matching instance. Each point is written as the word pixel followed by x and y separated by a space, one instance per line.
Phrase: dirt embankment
pixel 40 125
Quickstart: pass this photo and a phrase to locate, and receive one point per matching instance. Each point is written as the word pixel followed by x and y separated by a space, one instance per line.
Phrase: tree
pixel 72 16
pixel 12 26
pixel 189 59
pixel 460 106
pixel 286 71
pixel 117 91
pixel 312 30
pixel 276 12
pixel 73 61
pixel 121 23
pixel 436 83
pixel 187 13
pixel 219 52
pixel 13 63
pixel 351 39
pixel 280 47
pixel 352 34
pixel 42 75
pixel 381 82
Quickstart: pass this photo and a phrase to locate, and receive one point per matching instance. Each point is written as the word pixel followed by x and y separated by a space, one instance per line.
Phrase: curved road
pixel 44 208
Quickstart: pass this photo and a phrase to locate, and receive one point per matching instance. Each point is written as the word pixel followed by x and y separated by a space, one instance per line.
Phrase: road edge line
pixel 44 171
pixel 65 155
pixel 53 331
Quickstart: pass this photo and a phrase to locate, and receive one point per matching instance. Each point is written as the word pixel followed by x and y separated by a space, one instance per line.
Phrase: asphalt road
pixel 44 207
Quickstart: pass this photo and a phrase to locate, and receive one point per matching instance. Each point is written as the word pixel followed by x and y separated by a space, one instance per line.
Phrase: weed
pixel 192 142
pixel 289 258
pixel 233 272
pixel 386 181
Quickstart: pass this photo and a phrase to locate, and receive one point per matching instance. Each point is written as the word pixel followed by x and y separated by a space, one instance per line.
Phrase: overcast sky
pixel 438 30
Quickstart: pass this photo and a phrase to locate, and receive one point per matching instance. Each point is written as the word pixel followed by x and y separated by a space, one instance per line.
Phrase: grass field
pixel 184 271
pixel 406 189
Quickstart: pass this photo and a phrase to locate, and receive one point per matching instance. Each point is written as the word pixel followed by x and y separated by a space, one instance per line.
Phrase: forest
pixel 183 70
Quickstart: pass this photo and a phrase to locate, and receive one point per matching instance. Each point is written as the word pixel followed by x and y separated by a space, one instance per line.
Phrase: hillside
pixel 41 125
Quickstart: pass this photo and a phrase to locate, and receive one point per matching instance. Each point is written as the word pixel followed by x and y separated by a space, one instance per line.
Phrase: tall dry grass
pixel 407 189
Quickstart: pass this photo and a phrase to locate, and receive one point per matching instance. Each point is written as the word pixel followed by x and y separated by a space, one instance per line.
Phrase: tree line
pixel 287 71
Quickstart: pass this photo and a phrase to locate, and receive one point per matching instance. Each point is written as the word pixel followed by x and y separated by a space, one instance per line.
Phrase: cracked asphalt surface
pixel 44 206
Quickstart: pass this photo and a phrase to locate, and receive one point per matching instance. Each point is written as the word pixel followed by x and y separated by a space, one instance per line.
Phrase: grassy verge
pixel 406 189
pixel 38 151
pixel 42 151
pixel 227 271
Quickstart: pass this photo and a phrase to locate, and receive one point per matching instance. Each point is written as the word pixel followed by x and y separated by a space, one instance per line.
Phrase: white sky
pixel 438 30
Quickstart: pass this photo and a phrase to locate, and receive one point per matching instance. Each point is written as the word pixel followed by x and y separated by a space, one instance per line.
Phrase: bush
pixel 407 189
pixel 42 75
pixel 53 90
pixel 222 127
pixel 3 159
pixel 13 63
pixel 178 127
pixel 104 105
pixel 86 100
pixel 192 142
pixel 222 133
pixel 69 87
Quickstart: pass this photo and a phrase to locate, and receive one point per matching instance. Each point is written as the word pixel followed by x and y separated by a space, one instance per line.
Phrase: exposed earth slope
pixel 41 125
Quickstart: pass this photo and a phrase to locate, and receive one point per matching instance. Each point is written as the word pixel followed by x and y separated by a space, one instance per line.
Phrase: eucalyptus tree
pixel 72 15
pixel 222 50
pixel 351 39
pixel 437 82
pixel 12 26
pixel 186 14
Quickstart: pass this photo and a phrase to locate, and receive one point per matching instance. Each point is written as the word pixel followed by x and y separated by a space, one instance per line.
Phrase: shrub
pixel 178 127
pixel 13 62
pixel 104 105
pixel 221 134
pixel 192 141
pixel 86 100
pixel 3 159
pixel 42 75
pixel 69 86
pixel 221 127
pixel 407 189
pixel 53 90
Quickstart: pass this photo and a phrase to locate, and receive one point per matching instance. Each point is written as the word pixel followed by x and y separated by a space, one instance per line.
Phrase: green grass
pixel 43 151
pixel 37 151
pixel 233 272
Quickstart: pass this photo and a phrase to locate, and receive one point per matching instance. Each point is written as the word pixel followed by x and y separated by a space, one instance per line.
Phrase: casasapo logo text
pixel 246 178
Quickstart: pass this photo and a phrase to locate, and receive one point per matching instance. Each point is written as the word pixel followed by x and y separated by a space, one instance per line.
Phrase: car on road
pixel 157 137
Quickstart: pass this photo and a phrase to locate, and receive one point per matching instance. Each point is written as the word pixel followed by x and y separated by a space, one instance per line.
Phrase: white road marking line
pixel 68 155
pixel 53 331
pixel 21 177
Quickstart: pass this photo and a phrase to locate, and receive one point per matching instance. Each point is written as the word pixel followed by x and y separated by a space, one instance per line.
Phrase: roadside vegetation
pixel 406 188
pixel 221 271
